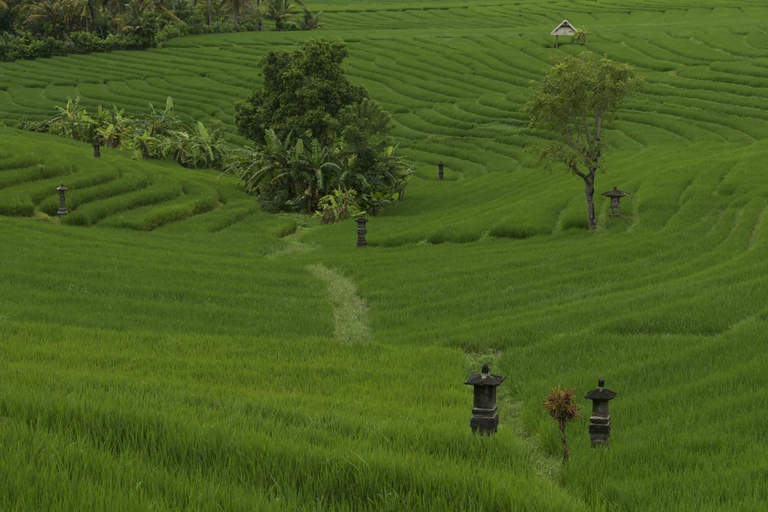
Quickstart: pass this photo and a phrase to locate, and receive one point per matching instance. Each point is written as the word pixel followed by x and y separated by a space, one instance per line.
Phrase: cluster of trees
pixel 43 28
pixel 159 134
pixel 321 142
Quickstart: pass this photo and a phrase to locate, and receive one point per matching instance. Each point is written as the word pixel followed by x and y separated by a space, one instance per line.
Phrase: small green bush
pixel 170 31
pixel 34 126
pixel 86 42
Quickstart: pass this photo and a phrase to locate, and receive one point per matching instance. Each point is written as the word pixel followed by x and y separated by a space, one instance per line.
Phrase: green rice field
pixel 169 346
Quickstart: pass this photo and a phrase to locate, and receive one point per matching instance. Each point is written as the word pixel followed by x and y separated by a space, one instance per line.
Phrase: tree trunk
pixel 209 13
pixel 566 451
pixel 260 26
pixel 589 192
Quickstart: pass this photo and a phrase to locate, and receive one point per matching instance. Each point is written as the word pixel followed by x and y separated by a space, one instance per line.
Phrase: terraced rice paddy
pixel 167 346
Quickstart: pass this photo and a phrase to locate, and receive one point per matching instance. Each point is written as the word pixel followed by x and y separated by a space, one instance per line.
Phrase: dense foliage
pixel 302 91
pixel 159 134
pixel 295 173
pixel 316 133
pixel 45 28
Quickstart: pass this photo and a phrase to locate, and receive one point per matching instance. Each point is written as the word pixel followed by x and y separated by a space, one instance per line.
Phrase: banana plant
pixel 70 120
pixel 142 143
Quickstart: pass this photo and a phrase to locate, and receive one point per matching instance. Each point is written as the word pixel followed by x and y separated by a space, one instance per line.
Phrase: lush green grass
pixel 182 352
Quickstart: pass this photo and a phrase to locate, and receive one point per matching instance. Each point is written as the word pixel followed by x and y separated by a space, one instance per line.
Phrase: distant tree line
pixel 44 28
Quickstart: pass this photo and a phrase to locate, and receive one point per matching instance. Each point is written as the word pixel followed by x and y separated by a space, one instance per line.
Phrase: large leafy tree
pixel 303 91
pixel 574 100
pixel 317 135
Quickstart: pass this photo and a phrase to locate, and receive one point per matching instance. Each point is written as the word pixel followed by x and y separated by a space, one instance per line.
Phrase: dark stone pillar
pixel 62 201
pixel 600 419
pixel 361 232
pixel 485 415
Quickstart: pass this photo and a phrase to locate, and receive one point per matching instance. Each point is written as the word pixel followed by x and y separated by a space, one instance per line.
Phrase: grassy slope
pixel 195 366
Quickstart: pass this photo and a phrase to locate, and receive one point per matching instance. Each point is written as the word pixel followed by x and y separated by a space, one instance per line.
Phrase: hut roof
pixel 615 193
pixel 564 29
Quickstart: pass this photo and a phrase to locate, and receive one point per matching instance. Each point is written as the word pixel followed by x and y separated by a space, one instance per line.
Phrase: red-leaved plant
pixel 562 406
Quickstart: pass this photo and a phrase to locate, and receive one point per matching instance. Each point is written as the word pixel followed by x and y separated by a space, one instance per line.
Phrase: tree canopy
pixel 303 91
pixel 574 100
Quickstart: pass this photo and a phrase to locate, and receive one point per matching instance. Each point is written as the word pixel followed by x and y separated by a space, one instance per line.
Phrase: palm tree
pixel 310 20
pixel 85 10
pixel 562 406
pixel 281 12
pixel 140 18
pixel 236 7
pixel 53 13
pixel 208 10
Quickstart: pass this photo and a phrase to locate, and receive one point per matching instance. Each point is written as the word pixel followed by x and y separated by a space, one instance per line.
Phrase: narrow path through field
pixel 350 311
pixel 510 407
pixel 292 245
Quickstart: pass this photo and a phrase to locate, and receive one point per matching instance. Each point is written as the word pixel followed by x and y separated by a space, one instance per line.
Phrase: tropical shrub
pixel 170 31
pixel 160 134
pixel 87 42
pixel 292 174
pixel 581 36
pixel 337 206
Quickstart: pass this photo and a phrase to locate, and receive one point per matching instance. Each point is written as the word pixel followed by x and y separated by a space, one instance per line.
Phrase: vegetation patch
pixel 349 310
